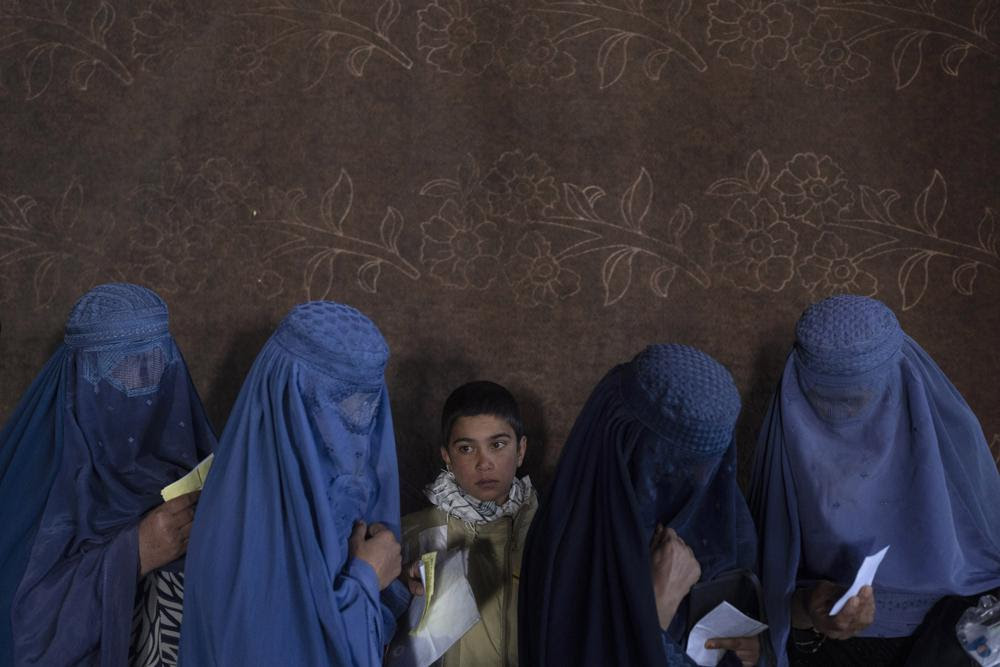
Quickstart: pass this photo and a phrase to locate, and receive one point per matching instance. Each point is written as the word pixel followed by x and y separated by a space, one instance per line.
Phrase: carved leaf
pixel 82 72
pixel 612 58
pixel 930 205
pixel 676 11
pixel 636 201
pixel 14 211
pixel 337 202
pixel 987 232
pixel 578 202
pixel 102 21
pixel 616 274
pixel 441 187
pixel 387 15
pixel 953 57
pixel 593 193
pixel 368 275
pixel 655 62
pixel 730 187
pixel 358 58
pixel 964 276
pixel 757 171
pixel 317 59
pixel 69 206
pixel 46 279
pixel 661 280
pixel 679 224
pixel 912 278
pixel 984 12
pixel 319 274
pixel 391 227
pixel 873 205
pixel 38 66
pixel 907 57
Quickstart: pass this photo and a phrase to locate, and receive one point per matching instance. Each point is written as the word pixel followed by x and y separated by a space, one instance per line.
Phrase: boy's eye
pixel 465 449
pixel 499 444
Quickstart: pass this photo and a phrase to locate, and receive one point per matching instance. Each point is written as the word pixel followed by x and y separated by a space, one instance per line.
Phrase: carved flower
pixel 750 32
pixel 532 58
pixel 827 60
pixel 459 41
pixel 813 189
pixel 754 247
pixel 248 66
pixel 175 251
pixel 461 246
pixel 831 270
pixel 536 274
pixel 519 187
pixel 219 188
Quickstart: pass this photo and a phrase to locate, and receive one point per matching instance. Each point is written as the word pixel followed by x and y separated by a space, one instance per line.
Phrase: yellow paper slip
pixel 193 481
pixel 427 563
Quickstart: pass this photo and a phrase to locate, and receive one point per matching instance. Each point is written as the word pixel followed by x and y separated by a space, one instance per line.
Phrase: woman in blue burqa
pixel 112 419
pixel 866 445
pixel 643 505
pixel 297 526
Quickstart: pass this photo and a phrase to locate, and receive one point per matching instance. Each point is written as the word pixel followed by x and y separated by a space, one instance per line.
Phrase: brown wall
pixel 524 191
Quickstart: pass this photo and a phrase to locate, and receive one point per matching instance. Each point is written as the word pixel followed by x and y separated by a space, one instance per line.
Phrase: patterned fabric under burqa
pixel 112 419
pixel 654 444
pixel 871 445
pixel 308 451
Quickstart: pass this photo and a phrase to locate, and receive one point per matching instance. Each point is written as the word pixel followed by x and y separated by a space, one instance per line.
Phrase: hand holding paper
pixel 864 577
pixel 193 481
pixel 723 621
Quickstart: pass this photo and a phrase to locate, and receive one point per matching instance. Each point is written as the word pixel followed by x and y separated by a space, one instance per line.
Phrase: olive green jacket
pixel 494 570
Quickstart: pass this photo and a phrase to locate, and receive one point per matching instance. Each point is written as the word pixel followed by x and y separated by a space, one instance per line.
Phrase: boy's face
pixel 484 454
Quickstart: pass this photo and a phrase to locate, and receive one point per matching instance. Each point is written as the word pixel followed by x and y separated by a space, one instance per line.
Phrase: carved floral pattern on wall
pixel 492 178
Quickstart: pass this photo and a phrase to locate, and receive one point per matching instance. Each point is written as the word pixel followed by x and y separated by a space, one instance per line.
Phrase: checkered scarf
pixel 445 494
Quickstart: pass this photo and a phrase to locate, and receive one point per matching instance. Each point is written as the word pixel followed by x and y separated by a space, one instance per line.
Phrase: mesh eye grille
pixel 843 403
pixel 358 410
pixel 139 373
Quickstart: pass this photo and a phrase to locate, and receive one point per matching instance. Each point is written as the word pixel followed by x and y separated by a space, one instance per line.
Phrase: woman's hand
pixel 675 571
pixel 378 547
pixel 411 577
pixel 747 649
pixel 857 614
pixel 164 532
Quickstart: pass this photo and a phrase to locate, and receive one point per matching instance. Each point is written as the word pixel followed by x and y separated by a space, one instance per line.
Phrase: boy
pixel 478 504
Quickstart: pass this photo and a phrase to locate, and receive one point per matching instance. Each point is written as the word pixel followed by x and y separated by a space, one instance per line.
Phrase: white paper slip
pixel 723 622
pixel 864 577
pixel 423 635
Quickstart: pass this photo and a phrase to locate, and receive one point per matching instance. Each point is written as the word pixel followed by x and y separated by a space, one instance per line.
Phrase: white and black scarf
pixel 445 494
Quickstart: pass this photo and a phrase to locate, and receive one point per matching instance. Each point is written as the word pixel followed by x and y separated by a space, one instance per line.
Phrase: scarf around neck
pixel 445 494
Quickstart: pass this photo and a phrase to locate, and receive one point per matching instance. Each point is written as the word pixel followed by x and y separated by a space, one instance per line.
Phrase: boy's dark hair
pixel 480 398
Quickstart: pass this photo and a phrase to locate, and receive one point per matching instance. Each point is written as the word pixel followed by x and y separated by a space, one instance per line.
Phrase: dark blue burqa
pixel 653 444
pixel 868 444
pixel 112 419
pixel 307 451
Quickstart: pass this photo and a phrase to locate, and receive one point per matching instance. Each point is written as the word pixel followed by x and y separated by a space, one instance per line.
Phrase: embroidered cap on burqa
pixel 684 396
pixel 337 340
pixel 116 313
pixel 847 335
